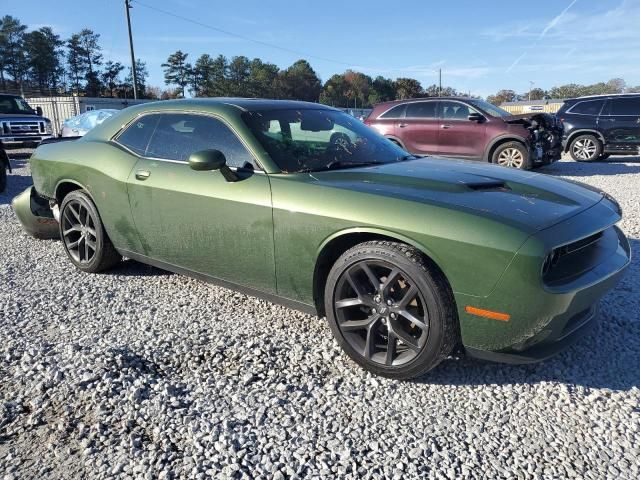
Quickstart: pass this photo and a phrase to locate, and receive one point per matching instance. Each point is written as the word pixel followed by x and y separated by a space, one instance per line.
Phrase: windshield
pixel 15 106
pixel 308 140
pixel 490 109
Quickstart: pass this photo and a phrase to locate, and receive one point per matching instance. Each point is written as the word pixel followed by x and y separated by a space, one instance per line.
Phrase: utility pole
pixel 439 82
pixel 531 83
pixel 127 6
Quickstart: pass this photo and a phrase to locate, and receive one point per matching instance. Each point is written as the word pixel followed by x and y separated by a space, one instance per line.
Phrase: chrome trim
pixel 438 113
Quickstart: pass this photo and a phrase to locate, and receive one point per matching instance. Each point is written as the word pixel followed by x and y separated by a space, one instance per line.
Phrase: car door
pixel 418 130
pixel 457 135
pixel 620 123
pixel 197 220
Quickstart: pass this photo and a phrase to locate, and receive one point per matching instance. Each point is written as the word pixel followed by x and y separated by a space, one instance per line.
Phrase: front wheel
pixel 512 154
pixel 585 148
pixel 390 310
pixel 83 236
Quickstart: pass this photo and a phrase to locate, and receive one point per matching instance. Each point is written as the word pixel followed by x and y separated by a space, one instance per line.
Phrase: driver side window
pixel 455 110
pixel 177 135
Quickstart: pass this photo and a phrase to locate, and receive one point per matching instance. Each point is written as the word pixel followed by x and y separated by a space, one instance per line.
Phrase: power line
pixel 237 35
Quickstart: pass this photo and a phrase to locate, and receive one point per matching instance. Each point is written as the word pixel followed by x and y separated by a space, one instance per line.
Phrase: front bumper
pixel 547 316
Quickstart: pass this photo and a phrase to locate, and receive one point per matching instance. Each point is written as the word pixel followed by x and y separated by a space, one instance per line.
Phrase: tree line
pixel 570 90
pixel 40 61
pixel 244 77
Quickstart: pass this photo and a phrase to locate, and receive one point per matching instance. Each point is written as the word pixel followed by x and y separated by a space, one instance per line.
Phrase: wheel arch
pixel 496 142
pixel 64 187
pixel 396 140
pixel 583 131
pixel 338 243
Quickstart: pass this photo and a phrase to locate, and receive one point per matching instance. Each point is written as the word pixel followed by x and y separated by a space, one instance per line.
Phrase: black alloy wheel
pixel 390 309
pixel 83 235
pixel 381 313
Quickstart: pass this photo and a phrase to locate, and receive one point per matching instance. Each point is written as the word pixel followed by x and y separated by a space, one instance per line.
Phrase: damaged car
pixel 408 258
pixel 469 128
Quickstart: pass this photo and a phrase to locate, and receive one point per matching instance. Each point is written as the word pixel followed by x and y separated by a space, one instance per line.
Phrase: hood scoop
pixel 488 185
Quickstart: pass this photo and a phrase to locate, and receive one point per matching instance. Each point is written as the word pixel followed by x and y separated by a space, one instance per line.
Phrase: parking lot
pixel 138 372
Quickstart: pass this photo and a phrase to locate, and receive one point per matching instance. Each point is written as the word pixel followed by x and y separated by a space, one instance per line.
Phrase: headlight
pixel 48 128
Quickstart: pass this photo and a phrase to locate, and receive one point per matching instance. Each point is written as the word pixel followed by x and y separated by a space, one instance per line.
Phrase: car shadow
pixel 616 165
pixel 607 357
pixel 133 268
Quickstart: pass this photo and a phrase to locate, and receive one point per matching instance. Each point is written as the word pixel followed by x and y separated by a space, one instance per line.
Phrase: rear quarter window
pixel 395 112
pixel 136 136
pixel 587 107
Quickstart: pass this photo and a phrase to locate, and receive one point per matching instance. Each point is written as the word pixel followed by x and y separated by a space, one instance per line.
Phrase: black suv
pixel 598 126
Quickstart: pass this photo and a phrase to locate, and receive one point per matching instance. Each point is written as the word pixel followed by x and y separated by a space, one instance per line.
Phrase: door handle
pixel 143 174
pixel 445 126
pixel 402 125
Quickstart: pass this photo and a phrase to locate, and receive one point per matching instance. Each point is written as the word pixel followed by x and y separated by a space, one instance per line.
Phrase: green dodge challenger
pixel 407 257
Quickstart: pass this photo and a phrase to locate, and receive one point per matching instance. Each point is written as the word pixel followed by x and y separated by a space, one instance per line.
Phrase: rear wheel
pixel 585 148
pixel 83 236
pixel 512 154
pixel 390 310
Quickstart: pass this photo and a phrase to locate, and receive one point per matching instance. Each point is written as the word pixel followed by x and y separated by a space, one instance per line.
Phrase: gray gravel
pixel 139 373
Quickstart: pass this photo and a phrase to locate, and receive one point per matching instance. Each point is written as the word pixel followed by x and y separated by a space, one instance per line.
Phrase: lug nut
pixel 389 302
pixel 373 310
pixel 377 298
pixel 393 315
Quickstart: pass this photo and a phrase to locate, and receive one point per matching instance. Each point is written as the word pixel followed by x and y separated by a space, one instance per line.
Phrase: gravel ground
pixel 139 373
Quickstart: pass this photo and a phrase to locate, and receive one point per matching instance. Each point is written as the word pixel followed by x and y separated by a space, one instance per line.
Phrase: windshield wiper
pixel 407 157
pixel 337 164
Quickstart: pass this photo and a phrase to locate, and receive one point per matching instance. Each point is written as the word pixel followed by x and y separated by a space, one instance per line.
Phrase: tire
pixel 3 177
pixel 83 236
pixel 585 148
pixel 393 140
pixel 412 302
pixel 512 155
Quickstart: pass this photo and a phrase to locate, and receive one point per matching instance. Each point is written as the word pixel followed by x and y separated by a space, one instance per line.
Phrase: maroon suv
pixel 471 129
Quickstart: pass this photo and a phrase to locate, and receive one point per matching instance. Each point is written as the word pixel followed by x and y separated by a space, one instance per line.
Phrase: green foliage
pixel 43 52
pixel 12 50
pixel 177 71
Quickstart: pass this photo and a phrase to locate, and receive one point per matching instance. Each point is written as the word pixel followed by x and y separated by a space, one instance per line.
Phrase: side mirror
pixel 475 117
pixel 39 111
pixel 211 159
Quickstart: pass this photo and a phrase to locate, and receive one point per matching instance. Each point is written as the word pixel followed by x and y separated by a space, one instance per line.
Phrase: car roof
pixel 422 99
pixel 604 96
pixel 245 104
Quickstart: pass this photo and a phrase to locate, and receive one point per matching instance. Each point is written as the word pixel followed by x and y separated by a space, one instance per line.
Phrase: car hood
pixel 529 201
pixel 21 118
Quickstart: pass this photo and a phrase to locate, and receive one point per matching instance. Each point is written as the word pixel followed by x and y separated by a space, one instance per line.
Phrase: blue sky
pixel 481 46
